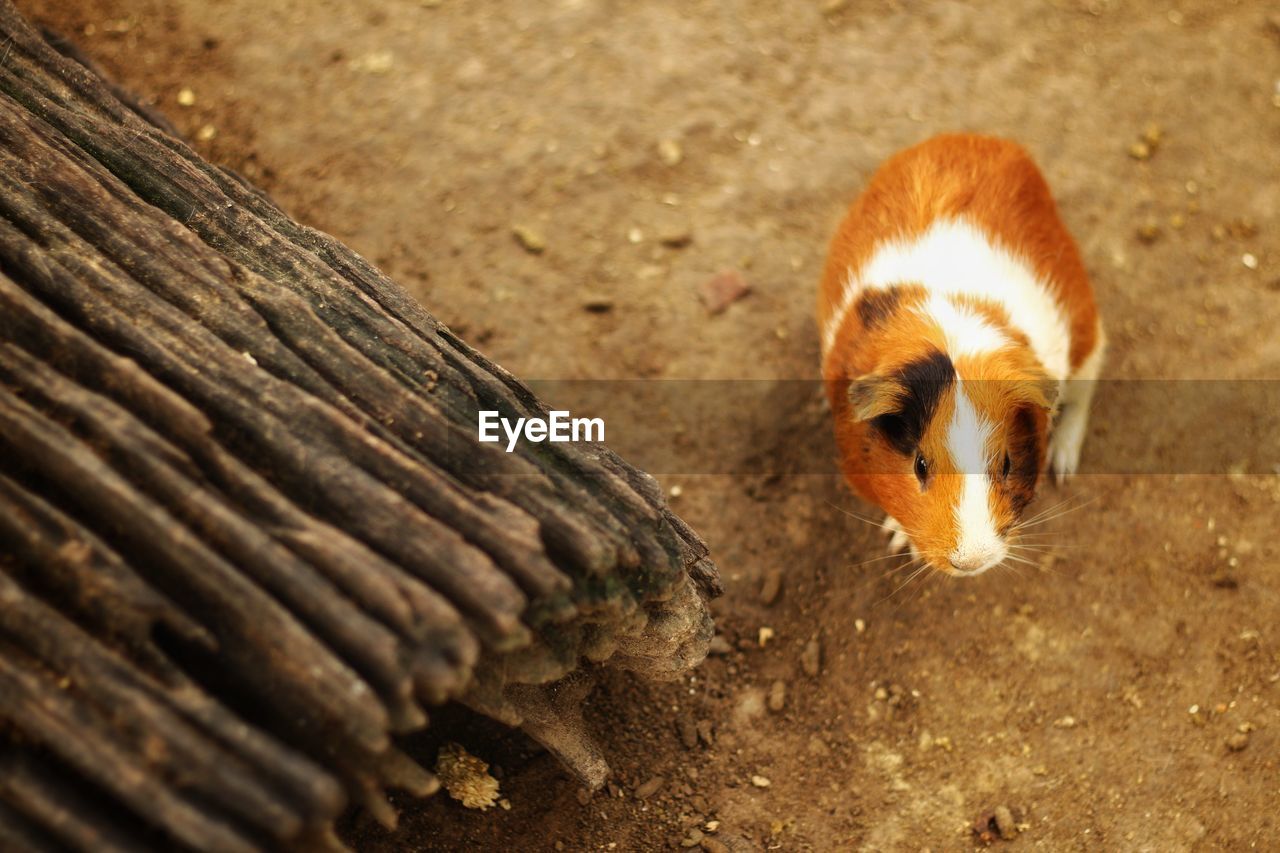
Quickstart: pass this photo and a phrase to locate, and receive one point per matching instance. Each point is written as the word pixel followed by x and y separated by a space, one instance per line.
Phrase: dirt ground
pixel 1126 696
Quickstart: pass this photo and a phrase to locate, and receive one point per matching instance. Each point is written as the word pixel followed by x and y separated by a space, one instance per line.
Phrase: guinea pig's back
pixel 932 214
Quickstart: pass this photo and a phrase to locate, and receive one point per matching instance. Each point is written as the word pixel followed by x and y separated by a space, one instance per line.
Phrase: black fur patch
pixel 876 305
pixel 1024 453
pixel 923 382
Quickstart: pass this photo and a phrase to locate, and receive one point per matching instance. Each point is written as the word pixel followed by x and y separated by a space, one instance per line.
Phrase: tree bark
pixel 247 532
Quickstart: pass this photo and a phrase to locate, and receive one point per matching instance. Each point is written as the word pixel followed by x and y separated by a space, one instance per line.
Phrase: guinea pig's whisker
pixel 918 592
pixel 1054 512
pixel 1038 547
pixel 1039 566
pixel 879 559
pixel 861 518
pixel 1030 555
pixel 1042 545
pixel 1009 567
pixel 917 571
pixel 1040 540
pixel 1046 512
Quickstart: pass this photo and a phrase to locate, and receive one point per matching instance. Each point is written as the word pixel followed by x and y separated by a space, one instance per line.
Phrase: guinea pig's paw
pixel 1064 449
pixel 898 539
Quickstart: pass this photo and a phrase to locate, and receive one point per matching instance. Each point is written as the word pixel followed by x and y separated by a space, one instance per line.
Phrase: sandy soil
pixel 1126 696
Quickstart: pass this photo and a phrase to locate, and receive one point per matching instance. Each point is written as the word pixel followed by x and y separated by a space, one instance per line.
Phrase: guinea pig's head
pixel 953 449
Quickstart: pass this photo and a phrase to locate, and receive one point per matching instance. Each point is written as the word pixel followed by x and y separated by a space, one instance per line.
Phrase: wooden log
pixel 247 533
pixel 400 601
pixel 41 811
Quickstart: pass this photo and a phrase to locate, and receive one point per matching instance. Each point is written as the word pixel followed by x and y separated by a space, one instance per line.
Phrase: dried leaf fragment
pixel 466 777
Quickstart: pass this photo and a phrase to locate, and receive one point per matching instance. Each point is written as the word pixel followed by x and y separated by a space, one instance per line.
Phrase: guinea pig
pixel 960 341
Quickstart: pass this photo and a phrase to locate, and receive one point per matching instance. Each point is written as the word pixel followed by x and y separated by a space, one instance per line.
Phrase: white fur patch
pixel 978 544
pixel 966 331
pixel 954 258
pixel 853 288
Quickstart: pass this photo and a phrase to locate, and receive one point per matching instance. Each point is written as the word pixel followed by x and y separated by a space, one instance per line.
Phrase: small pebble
pixel 1148 232
pixel 712 845
pixel 1140 151
pixel 1237 741
pixel 676 239
pixel 765 635
pixel 705 732
pixel 1005 823
pixel 778 696
pixel 206 132
pixel 688 731
pixel 378 62
pixel 760 781
pixel 670 152
pixel 811 658
pixel 649 788
pixel 531 241
pixel 723 289
pixel 693 839
pixel 771 587
pixel 1249 260
pixel 584 796
pixel 1223 579
pixel 1273 27
pixel 186 97
pixel 1243 228
pixel 719 645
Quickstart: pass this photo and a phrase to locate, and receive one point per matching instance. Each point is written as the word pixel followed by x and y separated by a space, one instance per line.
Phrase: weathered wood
pixel 49 812
pixel 246 532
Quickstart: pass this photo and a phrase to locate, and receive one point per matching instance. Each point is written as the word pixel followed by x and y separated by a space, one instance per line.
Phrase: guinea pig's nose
pixel 975 562
pixel 967 563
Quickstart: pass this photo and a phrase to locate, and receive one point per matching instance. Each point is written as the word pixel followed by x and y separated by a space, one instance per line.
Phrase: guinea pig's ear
pixel 871 396
pixel 1041 390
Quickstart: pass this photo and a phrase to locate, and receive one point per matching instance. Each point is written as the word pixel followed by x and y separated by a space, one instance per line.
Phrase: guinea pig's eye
pixel 922 468
pixel 1008 466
